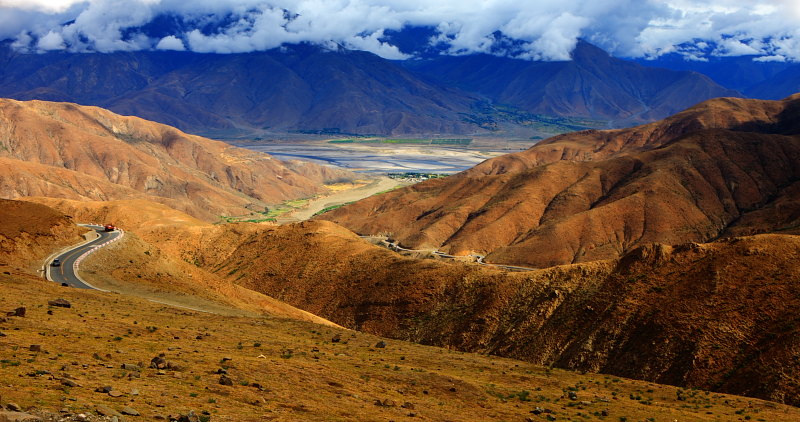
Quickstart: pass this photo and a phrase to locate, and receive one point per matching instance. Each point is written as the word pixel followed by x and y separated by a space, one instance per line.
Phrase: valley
pixel 386 211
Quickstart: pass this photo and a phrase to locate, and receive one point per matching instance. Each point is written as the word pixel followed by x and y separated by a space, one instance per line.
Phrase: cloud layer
pixel 542 29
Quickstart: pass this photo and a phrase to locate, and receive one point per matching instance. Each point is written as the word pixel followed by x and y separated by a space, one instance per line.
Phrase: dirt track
pixel 339 198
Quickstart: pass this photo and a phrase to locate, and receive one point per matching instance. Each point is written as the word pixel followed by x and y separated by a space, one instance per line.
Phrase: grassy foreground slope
pixel 288 370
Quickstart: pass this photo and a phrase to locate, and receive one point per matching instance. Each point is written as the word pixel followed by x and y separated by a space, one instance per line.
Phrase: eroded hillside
pixel 76 152
pixel 723 167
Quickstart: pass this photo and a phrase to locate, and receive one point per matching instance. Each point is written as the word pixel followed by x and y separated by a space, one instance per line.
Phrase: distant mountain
pixel 304 88
pixel 301 88
pixel 778 86
pixel 63 150
pixel 593 85
pixel 740 73
pixel 726 167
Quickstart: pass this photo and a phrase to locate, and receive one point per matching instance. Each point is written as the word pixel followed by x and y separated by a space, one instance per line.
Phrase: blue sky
pixel 547 29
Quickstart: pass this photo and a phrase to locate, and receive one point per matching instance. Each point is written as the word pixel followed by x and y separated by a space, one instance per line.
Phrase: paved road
pixel 67 272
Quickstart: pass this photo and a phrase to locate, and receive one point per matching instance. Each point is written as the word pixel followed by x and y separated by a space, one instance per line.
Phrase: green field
pixel 405 141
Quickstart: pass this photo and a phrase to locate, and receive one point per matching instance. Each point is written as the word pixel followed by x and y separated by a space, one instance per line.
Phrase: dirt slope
pixel 290 371
pixel 709 316
pixel 107 156
pixel 30 232
pixel 724 167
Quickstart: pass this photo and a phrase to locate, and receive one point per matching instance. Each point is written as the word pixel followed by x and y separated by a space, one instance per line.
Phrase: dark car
pixel 56 262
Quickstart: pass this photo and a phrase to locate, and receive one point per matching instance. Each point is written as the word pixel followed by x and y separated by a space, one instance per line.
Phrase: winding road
pixel 67 272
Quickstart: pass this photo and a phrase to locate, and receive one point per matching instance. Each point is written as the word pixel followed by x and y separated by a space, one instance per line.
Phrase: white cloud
pixel 170 42
pixel 51 41
pixel 546 29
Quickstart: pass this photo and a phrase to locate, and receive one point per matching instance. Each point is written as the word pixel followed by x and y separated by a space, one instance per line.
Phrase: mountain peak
pixel 586 51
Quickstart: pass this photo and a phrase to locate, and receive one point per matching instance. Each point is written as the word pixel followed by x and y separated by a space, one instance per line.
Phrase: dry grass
pixel 303 375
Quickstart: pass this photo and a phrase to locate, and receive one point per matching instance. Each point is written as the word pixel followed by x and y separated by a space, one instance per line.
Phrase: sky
pixel 543 29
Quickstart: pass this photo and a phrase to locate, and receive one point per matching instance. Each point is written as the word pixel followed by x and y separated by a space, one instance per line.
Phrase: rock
pixel 69 383
pixel 13 407
pixel 189 417
pixel 115 393
pixel 2 334
pixel 130 367
pixel 604 413
pixel 222 371
pixel 159 417
pixel 35 348
pixel 20 312
pixel 127 410
pixel 226 358
pixel 385 403
pixel 224 380
pixel 408 405
pixel 381 344
pixel 337 338
pixel 586 403
pixel 573 395
pixel 61 303
pixel 158 362
pixel 104 410
pixel 105 390
pixel 537 411
pixel 18 417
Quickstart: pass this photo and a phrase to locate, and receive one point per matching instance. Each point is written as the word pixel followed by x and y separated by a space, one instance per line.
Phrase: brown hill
pixel 291 371
pixel 76 152
pixel 724 167
pixel 30 232
pixel 720 316
pixel 707 316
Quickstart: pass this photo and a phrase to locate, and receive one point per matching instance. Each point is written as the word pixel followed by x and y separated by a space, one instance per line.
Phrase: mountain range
pixel 308 89
pixel 725 167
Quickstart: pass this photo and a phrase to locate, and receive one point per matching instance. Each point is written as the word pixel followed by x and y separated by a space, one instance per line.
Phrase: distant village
pixel 416 177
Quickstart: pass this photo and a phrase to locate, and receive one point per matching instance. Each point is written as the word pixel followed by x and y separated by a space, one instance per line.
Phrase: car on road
pixel 56 262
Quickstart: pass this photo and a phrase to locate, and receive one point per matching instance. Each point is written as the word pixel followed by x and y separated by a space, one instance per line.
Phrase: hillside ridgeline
pixel 725 167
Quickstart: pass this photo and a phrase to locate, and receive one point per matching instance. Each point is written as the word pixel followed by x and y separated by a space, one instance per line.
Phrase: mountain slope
pixel 599 194
pixel 708 316
pixel 593 85
pixel 78 152
pixel 309 89
pixel 778 86
pixel 295 88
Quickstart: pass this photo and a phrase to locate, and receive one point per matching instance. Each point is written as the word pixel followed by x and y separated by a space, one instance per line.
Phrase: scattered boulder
pixel 130 367
pixel 381 344
pixel 225 380
pixel 127 410
pixel 69 383
pixel 19 312
pixel 105 390
pixel 13 407
pixel 158 362
pixel 35 348
pixel 336 338
pixel 18 417
pixel 573 395
pixel 189 417
pixel 61 303
pixel 104 410
pixel 408 405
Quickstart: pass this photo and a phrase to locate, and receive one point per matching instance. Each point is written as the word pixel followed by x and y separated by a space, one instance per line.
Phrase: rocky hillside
pixel 117 357
pixel 693 315
pixel 727 166
pixel 76 152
